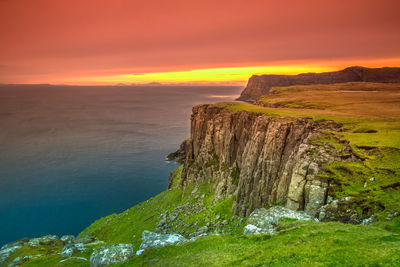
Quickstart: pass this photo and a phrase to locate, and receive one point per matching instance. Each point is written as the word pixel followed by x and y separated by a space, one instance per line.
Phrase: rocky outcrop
pixel 259 85
pixel 67 239
pixel 180 154
pixel 263 221
pixel 257 159
pixel 68 245
pixel 111 254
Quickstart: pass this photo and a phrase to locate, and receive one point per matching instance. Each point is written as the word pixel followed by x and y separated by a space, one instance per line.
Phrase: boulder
pixel 70 249
pixel 111 254
pixel 342 210
pixel 44 240
pixel 67 239
pixel 150 239
pixel 21 260
pixel 263 221
pixel 7 250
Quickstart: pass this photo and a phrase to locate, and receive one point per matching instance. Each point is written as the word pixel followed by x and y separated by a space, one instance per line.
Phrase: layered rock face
pixel 257 159
pixel 260 85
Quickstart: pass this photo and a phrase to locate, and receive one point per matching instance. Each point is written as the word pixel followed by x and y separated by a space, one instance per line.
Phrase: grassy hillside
pixel 375 100
pixel 305 244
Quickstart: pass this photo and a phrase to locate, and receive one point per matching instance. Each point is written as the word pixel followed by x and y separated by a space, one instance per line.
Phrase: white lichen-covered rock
pixel 70 249
pixel 263 221
pixel 74 258
pixel 67 239
pixel 44 240
pixel 7 250
pixel 111 254
pixel 251 229
pixel 21 260
pixel 150 240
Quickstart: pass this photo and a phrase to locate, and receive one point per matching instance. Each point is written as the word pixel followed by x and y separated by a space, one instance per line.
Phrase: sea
pixel 73 154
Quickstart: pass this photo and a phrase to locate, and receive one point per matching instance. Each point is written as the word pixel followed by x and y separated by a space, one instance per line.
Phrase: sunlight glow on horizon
pixel 231 75
pixel 221 75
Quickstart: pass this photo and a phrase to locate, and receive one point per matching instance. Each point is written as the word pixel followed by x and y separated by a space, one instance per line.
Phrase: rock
pixel 44 240
pixel 96 242
pixel 392 215
pixel 259 85
pixel 251 229
pixel 258 159
pixel 85 239
pixel 315 192
pixel 111 254
pixel 7 250
pixel 179 155
pixel 341 210
pixel 203 230
pixel 67 239
pixel 70 249
pixel 150 239
pixel 369 220
pixel 21 260
pixel 263 221
pixel 74 258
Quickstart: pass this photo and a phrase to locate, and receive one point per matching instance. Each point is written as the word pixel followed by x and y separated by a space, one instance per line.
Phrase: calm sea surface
pixel 72 154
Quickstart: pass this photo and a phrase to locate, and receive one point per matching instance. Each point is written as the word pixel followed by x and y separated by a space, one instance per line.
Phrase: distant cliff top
pixel 260 85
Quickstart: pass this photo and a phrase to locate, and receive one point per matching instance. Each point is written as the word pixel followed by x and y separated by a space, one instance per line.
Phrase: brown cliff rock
pixel 257 159
pixel 259 85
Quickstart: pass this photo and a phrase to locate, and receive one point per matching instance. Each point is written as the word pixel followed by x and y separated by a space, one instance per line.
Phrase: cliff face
pixel 260 85
pixel 257 159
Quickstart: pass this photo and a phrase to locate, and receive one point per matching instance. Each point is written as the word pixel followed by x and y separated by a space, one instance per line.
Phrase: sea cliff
pixel 260 160
pixel 259 85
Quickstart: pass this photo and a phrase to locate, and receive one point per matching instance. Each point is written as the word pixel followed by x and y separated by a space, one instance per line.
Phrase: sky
pixel 190 41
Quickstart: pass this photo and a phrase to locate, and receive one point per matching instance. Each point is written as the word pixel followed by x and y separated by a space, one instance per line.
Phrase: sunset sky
pixel 204 42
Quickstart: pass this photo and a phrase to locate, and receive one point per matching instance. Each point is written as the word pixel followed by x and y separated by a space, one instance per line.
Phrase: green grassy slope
pixel 306 244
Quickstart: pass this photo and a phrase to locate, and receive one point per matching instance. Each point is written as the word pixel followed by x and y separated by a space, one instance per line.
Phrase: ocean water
pixel 72 154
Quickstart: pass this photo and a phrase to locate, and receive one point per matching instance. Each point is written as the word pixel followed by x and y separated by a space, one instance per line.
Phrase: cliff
pixel 259 159
pixel 259 85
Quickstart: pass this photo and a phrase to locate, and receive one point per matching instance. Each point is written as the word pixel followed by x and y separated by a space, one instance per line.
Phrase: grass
pixel 128 226
pixel 373 183
pixel 357 98
pixel 305 244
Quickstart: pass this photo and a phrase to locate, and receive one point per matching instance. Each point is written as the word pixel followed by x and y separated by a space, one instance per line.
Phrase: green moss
pixel 235 174
pixel 213 162
pixel 329 138
pixel 372 183
pixel 176 176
